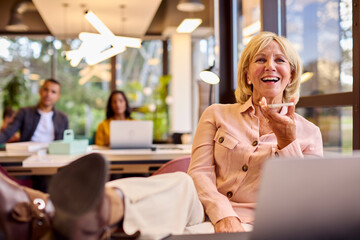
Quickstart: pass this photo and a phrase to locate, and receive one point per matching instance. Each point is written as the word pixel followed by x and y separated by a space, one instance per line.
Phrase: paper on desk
pixel 47 160
pixel 25 147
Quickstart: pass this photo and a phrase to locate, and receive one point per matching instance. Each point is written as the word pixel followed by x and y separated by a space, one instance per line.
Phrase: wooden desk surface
pixel 121 161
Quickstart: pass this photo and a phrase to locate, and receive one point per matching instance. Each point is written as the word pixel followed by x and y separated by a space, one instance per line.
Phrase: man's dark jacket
pixel 27 119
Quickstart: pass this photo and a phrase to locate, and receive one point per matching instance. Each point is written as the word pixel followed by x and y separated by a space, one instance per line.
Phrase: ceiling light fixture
pixel 95 51
pixel 249 31
pixel 190 6
pixel 16 23
pixel 86 48
pixel 92 59
pixel 210 77
pixel 127 41
pixel 188 25
pixel 306 76
pixel 99 47
pixel 98 24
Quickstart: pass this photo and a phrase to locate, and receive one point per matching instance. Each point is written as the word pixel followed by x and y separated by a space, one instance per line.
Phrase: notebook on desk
pixel 131 134
pixel 304 199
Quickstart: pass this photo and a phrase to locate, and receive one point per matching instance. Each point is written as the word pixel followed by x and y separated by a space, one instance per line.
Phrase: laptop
pixel 131 134
pixel 304 199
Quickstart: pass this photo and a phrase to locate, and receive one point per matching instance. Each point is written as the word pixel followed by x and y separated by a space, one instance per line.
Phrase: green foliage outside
pixel 160 116
pixel 15 91
pixel 85 104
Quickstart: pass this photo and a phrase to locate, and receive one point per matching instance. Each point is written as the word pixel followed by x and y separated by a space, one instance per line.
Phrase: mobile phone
pixel 276 105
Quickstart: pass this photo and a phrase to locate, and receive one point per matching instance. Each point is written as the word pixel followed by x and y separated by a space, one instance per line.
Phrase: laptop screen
pixel 131 134
pixel 309 198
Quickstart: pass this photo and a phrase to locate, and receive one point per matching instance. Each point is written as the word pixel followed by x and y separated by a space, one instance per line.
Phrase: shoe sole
pixel 77 189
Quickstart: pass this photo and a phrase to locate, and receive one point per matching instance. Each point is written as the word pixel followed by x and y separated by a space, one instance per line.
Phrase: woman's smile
pixel 269 73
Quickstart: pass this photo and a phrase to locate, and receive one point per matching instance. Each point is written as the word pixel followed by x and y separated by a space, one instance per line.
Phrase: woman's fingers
pixel 291 109
pixel 272 114
pixel 229 224
pixel 283 126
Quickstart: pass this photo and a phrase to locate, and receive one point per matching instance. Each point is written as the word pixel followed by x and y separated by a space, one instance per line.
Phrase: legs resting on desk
pixel 80 206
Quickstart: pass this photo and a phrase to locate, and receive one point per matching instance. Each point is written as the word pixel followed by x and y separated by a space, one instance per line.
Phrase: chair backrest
pixel 24 182
pixel 3 171
pixel 180 164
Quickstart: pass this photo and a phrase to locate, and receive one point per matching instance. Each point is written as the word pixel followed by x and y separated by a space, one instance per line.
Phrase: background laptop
pixel 304 199
pixel 131 134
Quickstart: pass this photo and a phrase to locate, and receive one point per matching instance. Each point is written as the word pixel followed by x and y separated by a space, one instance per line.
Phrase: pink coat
pixel 228 153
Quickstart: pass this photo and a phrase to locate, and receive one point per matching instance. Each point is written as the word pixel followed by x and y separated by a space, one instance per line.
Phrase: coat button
pixel 229 194
pixel 255 143
pixel 221 139
pixel 276 154
pixel 245 168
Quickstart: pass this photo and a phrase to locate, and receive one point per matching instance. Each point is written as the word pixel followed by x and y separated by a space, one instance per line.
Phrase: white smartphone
pixel 276 105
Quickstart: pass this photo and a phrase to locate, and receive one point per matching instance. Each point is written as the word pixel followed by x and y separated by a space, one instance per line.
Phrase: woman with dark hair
pixel 117 109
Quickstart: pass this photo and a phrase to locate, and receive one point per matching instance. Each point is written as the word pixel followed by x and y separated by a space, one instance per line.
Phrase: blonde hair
pixel 243 90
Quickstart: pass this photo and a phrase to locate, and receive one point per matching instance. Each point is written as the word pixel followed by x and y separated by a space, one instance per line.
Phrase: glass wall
pixel 322 34
pixel 139 74
pixel 27 62
pixel 335 126
pixel 204 56
pixel 84 89
pixel 248 24
pixel 23 64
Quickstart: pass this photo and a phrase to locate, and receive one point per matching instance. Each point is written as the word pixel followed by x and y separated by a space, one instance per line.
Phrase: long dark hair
pixel 110 111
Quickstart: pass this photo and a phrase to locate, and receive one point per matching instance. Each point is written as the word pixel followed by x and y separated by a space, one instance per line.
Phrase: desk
pixel 121 161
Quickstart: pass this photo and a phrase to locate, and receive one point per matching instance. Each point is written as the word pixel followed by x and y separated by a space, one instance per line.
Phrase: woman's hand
pixel 283 126
pixel 229 224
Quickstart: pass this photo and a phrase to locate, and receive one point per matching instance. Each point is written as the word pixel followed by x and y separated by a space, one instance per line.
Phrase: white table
pixel 121 161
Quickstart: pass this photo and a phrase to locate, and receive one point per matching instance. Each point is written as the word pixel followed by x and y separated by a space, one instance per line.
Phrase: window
pixel 322 34
pixel 85 89
pixel 248 25
pixel 140 76
pixel 249 22
pixel 335 124
pixel 24 63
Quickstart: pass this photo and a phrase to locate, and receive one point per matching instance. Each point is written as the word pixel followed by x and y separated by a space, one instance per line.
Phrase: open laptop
pixel 131 134
pixel 304 199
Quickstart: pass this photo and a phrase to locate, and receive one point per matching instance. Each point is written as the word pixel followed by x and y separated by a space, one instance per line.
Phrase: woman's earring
pixel 249 82
pixel 289 83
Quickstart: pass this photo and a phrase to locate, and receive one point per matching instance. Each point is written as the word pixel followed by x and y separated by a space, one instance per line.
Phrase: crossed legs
pixel 86 209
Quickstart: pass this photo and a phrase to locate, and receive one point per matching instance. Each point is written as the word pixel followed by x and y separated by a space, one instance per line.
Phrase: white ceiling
pixel 68 22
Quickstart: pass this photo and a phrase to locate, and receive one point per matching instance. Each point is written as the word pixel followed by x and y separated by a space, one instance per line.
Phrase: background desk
pixel 121 161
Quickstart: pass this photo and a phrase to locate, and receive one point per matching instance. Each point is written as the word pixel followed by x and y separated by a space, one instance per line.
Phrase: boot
pixel 84 209
pixel 24 213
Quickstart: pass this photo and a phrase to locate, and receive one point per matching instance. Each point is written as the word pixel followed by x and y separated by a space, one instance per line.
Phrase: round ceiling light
pixel 190 6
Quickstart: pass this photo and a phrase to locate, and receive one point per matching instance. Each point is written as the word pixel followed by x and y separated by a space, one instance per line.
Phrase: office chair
pixel 180 164
pixel 23 182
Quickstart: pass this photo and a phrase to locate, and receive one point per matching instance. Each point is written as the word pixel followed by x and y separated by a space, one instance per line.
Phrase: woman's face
pixel 118 104
pixel 269 73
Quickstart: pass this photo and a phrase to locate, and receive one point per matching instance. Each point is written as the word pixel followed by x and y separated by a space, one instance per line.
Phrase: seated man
pixel 41 123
